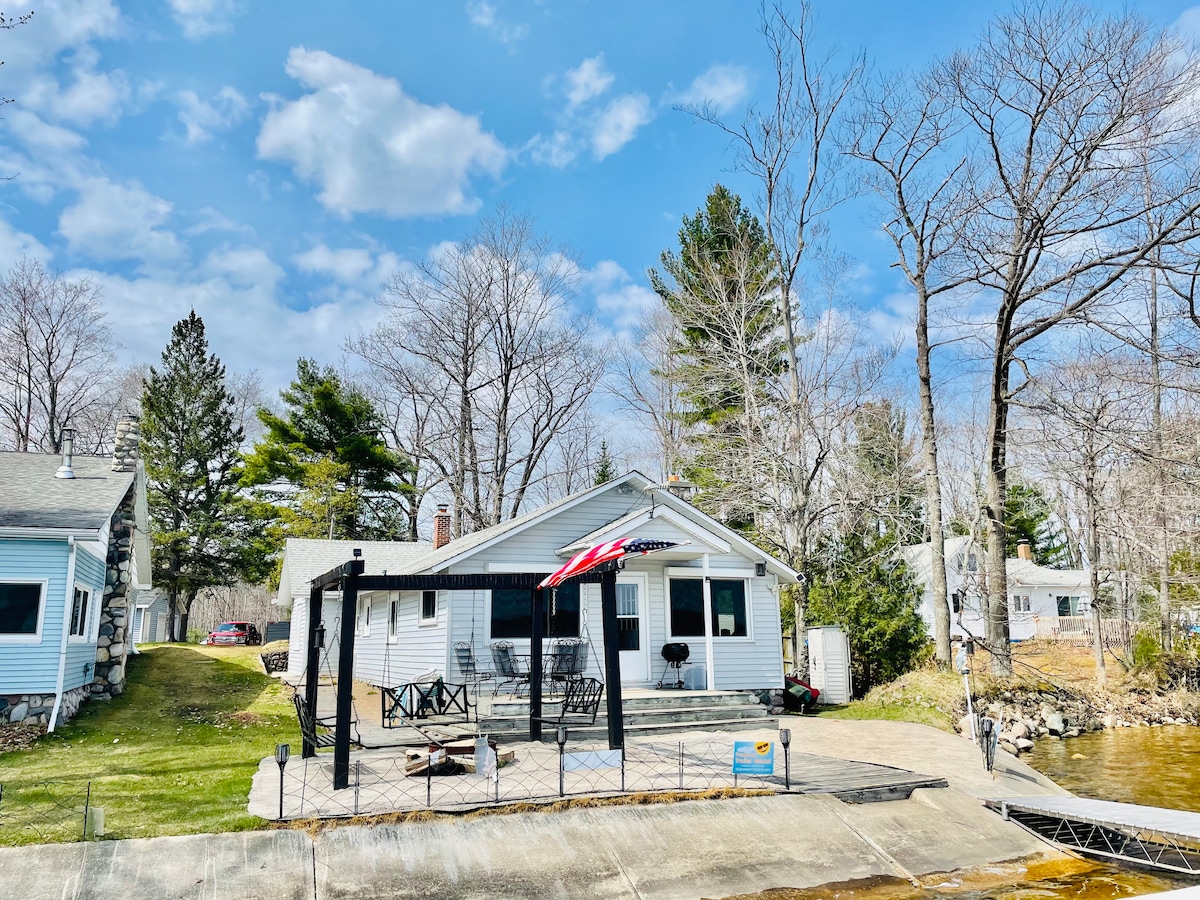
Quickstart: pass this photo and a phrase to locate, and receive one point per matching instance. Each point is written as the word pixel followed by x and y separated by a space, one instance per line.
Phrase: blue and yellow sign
pixel 753 758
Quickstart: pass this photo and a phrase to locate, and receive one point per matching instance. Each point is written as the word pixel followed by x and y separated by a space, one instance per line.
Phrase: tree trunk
pixel 1163 545
pixel 933 490
pixel 996 629
pixel 1093 550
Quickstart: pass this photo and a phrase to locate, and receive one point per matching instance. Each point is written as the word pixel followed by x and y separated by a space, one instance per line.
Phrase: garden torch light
pixel 785 738
pixel 282 752
pixel 561 738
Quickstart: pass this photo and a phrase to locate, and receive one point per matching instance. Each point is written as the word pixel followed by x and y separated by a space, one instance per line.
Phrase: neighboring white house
pixel 661 598
pixel 1036 594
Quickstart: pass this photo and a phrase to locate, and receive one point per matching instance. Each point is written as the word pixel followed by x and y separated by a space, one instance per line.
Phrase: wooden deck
pixel 855 782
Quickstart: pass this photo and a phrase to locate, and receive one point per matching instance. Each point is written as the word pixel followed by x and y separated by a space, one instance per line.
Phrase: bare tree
pixel 56 356
pixel 790 147
pixel 1058 104
pixel 479 343
pixel 906 132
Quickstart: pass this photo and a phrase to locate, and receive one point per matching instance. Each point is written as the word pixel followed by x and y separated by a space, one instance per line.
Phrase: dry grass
pixel 316 826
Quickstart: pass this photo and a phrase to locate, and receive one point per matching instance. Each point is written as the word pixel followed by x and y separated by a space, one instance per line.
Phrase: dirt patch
pixel 247 718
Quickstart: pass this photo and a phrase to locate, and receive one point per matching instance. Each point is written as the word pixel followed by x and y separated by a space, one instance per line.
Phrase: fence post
pixel 357 780
pixel 87 802
pixel 622 770
pixel 681 765
pixel 429 781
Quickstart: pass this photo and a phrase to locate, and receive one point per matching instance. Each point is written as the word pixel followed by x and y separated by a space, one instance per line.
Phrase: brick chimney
pixel 441 526
pixel 1024 551
pixel 125 447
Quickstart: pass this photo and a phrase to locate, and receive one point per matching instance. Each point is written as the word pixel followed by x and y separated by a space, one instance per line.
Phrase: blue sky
pixel 270 164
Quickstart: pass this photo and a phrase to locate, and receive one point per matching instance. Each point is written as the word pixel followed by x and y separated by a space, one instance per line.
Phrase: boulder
pixel 1055 724
pixel 1008 748
pixel 1023 744
pixel 19 712
pixel 1019 730
pixel 964 725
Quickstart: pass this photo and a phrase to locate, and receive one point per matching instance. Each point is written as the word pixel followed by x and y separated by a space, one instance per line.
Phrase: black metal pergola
pixel 350 580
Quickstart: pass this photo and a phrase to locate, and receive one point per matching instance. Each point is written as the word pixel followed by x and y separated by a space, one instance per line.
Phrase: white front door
pixel 631 628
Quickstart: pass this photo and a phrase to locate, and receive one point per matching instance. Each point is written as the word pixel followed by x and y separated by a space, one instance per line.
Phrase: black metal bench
pixel 422 699
pixel 578 705
pixel 318 731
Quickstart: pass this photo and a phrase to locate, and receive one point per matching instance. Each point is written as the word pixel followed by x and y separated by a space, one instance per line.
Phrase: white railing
pixel 1079 629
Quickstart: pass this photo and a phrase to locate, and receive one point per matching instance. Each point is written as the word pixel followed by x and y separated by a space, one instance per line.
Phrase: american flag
pixel 602 553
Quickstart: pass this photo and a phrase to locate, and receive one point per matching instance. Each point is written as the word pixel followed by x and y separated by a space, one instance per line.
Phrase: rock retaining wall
pixel 1024 715
pixel 275 662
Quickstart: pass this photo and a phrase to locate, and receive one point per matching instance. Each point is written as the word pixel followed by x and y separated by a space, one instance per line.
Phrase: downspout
pixel 68 600
pixel 708 631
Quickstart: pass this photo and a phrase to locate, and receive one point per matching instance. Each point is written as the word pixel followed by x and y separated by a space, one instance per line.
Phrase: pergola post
pixel 312 665
pixel 538 606
pixel 612 659
pixel 345 682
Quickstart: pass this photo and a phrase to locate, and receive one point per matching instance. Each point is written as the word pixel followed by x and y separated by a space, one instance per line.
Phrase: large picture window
pixel 728 607
pixel 20 609
pixel 512 613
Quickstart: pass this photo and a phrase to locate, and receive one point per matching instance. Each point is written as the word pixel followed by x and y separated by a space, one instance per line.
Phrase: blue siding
pixel 33 668
pixel 89 573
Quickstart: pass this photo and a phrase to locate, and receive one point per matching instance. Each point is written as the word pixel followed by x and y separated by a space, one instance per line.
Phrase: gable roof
pixel 613 530
pixel 919 557
pixel 306 558
pixel 34 498
pixel 464 547
pixel 1021 572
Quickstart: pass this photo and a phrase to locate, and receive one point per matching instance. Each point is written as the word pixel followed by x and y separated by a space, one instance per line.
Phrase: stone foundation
pixel 38 707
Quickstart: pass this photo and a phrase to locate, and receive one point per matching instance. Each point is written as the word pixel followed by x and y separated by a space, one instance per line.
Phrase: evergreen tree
pixel 606 466
pixel 1028 516
pixel 867 591
pixel 329 422
pixel 190 443
pixel 879 482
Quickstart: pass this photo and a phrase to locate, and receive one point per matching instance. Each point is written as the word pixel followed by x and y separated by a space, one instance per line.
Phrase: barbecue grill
pixel 675 655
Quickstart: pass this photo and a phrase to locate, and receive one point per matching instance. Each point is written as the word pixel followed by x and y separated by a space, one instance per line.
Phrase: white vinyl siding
pixel 418 649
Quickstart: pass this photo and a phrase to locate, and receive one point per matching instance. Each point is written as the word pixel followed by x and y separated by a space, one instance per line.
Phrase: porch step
pixel 651 700
pixel 599 731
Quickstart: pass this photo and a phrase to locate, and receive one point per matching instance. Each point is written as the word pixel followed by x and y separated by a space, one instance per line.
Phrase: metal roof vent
pixel 68 446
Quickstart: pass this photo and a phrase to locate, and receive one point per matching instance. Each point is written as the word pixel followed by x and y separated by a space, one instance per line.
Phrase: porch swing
pixel 421 699
pixel 318 730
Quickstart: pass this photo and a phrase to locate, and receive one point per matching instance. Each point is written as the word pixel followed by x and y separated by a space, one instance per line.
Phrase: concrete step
pixel 599 731
pixel 667 699
pixel 688 717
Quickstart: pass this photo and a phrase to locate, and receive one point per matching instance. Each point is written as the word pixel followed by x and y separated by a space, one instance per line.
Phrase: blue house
pixel 73 541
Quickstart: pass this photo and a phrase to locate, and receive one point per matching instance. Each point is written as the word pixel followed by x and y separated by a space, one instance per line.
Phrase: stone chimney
pixel 441 526
pixel 1024 551
pixel 125 447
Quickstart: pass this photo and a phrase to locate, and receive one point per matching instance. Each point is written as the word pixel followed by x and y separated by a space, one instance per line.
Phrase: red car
pixel 235 633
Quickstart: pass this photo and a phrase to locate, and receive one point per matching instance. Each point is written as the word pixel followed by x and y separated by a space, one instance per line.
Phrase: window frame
pixel 747 599
pixel 547 623
pixel 362 616
pixel 85 635
pixel 36 637
pixel 423 620
pixel 393 629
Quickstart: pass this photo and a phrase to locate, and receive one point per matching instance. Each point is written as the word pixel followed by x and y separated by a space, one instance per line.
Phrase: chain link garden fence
pixel 48 812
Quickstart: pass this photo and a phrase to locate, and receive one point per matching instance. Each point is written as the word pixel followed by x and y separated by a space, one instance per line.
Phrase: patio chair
pixel 468 665
pixel 509 668
pixel 568 659
pixel 578 705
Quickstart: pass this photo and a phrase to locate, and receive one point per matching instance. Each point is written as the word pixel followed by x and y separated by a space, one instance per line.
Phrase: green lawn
pixel 892 712
pixel 173 755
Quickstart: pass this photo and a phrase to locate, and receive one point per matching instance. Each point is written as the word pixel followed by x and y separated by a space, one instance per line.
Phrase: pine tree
pixel 606 466
pixel 328 421
pixel 190 444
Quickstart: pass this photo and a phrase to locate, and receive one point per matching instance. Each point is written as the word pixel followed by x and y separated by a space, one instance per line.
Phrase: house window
pixel 393 619
pixel 79 612
pixel 20 609
pixel 512 613
pixel 363 624
pixel 428 606
pixel 728 607
pixel 956 600
pixel 1067 606
pixel 1021 603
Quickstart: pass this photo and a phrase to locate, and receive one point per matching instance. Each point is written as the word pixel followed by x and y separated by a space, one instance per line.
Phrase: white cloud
pixel 588 81
pixel 57 27
pixel 366 268
pixel 91 96
pixel 622 305
pixel 203 18
pixel 483 15
pixel 14 245
pixel 722 87
pixel 372 148
pixel 202 117
pixel 120 221
pixel 618 124
pixel 558 150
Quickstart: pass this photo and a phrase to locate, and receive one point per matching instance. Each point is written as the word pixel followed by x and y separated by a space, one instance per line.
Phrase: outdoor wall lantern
pixel 785 738
pixel 760 569
pixel 319 636
pixel 282 753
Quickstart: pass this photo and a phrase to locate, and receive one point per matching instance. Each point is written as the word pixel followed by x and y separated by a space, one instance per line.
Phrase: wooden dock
pixel 1166 839
pixel 856 782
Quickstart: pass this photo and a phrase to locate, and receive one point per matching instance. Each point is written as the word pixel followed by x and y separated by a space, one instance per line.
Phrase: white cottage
pixel 1038 597
pixel 661 598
